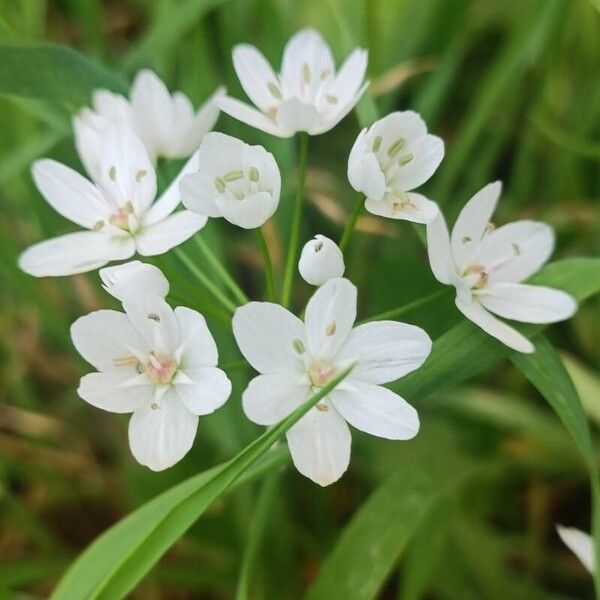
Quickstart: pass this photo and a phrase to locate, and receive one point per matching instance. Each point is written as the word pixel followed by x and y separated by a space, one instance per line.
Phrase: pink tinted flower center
pixel 161 369
pixel 321 373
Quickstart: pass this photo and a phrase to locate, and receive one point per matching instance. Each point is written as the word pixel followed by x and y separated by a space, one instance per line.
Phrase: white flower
pixel 167 124
pixel 486 266
pixel 118 210
pixel 235 180
pixel 157 363
pixel 296 359
pixel 389 159
pixel 307 95
pixel 321 260
pixel 134 277
pixel 581 544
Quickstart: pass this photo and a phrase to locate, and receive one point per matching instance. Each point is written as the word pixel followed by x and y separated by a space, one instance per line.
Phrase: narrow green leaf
pixel 545 370
pixel 117 561
pixel 53 72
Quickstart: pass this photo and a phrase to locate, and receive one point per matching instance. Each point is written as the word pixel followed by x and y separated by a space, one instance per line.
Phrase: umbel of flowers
pixel 161 364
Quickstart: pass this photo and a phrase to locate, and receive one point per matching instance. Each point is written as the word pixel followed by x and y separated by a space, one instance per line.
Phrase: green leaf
pixel 167 33
pixel 117 561
pixel 53 73
pixel 546 372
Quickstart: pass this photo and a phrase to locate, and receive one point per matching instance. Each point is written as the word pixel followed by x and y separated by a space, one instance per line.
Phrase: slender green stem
pixel 205 280
pixel 295 232
pixel 256 533
pixel 269 279
pixel 351 224
pixel 400 310
pixel 218 266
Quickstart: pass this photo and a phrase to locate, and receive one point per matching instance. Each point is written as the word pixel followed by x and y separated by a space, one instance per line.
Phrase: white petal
pixel 350 76
pixel 385 350
pixel 205 118
pixel 170 198
pixel 581 544
pixel 427 153
pixel 320 445
pixel 134 276
pixel 268 399
pixel 256 76
pixel 330 314
pixel 246 114
pixel 74 253
pixel 168 233
pixel 209 390
pixel 179 144
pixel 438 249
pixel 126 172
pixel 365 174
pixel 515 251
pixel 295 115
pixel 307 61
pixel 253 211
pixel 376 410
pixel 154 320
pixel 105 336
pixel 160 437
pixel 472 222
pixel 108 392
pixel 408 206
pixel 154 113
pixel 199 347
pixel 267 335
pixel 70 194
pixel 493 326
pixel 198 194
pixel 326 122
pixel 528 303
pixel 321 260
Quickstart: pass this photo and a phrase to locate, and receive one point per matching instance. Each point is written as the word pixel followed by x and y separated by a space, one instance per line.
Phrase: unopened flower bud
pixel 321 260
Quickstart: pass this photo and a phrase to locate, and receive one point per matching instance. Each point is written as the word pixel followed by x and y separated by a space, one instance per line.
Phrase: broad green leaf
pixel 53 72
pixel 380 531
pixel 167 33
pixel 116 561
pixel 547 373
pixel 466 351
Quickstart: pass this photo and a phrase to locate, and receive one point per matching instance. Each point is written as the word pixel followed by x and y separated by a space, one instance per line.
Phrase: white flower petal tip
pixel 236 181
pixel 306 95
pixel 486 265
pixel 296 359
pixel 580 543
pixel 152 361
pixel 134 277
pixel 117 209
pixel 321 260
pixel 389 160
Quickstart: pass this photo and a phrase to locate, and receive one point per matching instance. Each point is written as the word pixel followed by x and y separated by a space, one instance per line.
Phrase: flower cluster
pixel 160 363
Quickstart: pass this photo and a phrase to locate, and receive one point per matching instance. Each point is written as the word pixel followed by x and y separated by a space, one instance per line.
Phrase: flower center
pixel 476 276
pixel 120 218
pixel 321 373
pixel 161 369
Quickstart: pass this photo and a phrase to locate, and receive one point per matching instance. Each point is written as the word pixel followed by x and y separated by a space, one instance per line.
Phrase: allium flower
pixel 307 95
pixel 581 544
pixel 235 180
pixel 118 211
pixel 167 124
pixel 157 363
pixel 389 159
pixel 296 359
pixel 321 260
pixel 487 265
pixel 134 277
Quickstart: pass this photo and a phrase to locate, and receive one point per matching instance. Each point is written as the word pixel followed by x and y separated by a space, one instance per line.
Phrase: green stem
pixel 295 232
pixel 269 279
pixel 205 280
pixel 350 225
pixel 400 310
pixel 217 265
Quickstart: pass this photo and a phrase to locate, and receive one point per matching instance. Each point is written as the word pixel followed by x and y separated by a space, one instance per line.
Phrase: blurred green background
pixel 512 88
